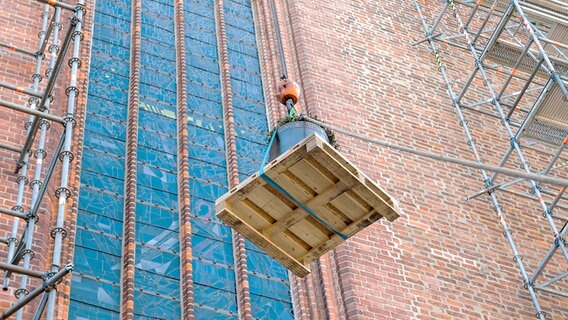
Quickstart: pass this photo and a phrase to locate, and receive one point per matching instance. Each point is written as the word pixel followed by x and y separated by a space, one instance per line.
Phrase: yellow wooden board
pixel 324 181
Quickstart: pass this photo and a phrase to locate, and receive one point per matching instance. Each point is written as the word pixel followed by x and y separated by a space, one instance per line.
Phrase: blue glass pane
pixel 113 94
pixel 207 171
pixel 158 237
pixel 158 123
pixel 241 88
pixel 99 223
pixel 210 229
pixel 244 62
pixel 208 191
pixel 202 63
pixel 166 109
pixel 157 19
pixel 157 159
pixel 114 22
pixel 203 208
pixel 157 142
pixel 105 127
pixel 200 7
pixel 110 50
pixel 82 311
pixel 215 298
pixel 200 48
pixel 102 182
pixel 103 243
pixel 157 284
pixel 99 202
pixel 157 307
pixel 266 308
pixel 207 139
pixel 263 264
pixel 156 216
pixel 104 143
pixel 156 178
pixel 205 121
pixel 271 288
pixel 160 198
pixel 114 8
pixel 212 108
pixel 214 276
pixel 154 47
pixel 203 313
pixel 151 62
pixel 100 106
pixel 103 163
pixel 251 126
pixel 200 34
pixel 97 264
pixel 213 250
pixel 162 7
pixel 158 79
pixel 108 78
pixel 157 261
pixel 111 35
pixel 246 103
pixel 101 294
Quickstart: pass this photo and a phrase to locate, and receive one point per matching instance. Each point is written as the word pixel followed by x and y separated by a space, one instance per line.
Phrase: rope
pixel 466 163
pixel 288 195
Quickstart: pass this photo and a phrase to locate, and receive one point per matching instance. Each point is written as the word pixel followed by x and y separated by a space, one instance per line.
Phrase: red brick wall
pixel 20 23
pixel 445 258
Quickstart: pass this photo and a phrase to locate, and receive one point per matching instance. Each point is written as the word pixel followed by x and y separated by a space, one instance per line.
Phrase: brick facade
pixel 445 258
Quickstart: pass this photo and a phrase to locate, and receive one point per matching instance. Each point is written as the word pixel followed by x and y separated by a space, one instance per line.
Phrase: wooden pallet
pixel 322 179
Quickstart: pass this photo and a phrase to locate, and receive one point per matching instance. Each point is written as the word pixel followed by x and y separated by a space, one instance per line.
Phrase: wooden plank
pixel 262 242
pixel 277 207
pixel 349 178
pixel 335 240
pixel 293 217
pixel 313 174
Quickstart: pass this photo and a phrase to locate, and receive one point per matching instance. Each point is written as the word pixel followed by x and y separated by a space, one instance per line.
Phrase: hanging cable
pixel 281 58
pixel 288 91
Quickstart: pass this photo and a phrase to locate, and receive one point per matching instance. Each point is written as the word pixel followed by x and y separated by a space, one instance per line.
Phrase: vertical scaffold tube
pixel 66 156
pixel 22 178
pixel 40 155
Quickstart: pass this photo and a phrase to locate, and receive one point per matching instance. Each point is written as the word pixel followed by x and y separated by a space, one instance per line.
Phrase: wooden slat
pixel 293 217
pixel 262 242
pixel 335 240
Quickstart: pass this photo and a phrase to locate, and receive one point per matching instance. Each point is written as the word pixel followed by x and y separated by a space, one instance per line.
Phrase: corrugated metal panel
pixel 550 123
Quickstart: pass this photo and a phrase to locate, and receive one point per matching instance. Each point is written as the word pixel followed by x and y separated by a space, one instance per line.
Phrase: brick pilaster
pixel 128 241
pixel 186 268
pixel 241 273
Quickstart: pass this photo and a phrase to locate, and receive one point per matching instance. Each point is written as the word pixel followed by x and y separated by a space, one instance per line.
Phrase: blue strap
pixel 288 195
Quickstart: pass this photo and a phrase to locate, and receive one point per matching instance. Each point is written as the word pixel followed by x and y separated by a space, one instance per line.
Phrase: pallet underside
pixel 319 177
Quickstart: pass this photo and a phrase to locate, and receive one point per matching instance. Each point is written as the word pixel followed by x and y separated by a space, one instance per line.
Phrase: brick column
pixel 186 268
pixel 128 241
pixel 241 273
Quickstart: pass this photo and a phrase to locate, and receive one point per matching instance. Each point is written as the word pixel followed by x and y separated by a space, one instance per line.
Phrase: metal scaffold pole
pixel 519 56
pixel 21 243
pixel 66 156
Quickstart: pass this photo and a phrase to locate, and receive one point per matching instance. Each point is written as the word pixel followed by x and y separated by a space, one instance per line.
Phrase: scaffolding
pixel 520 77
pixel 59 38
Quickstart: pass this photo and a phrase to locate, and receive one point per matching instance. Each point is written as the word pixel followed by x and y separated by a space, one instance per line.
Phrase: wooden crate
pixel 320 178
